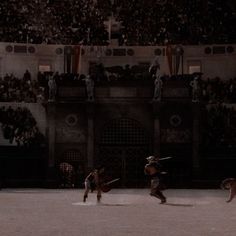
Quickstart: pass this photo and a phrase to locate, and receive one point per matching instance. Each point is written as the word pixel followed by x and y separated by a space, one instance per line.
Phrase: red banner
pixel 76 61
pixel 169 58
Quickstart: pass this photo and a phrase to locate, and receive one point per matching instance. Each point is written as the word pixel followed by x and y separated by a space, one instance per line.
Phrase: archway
pixel 73 160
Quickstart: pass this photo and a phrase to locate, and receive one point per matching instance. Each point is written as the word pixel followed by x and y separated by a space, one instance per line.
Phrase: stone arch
pixel 124 143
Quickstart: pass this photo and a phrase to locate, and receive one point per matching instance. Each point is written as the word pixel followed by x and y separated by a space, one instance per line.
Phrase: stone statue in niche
pixel 158 84
pixel 89 82
pixel 52 86
pixel 195 89
pixel 155 72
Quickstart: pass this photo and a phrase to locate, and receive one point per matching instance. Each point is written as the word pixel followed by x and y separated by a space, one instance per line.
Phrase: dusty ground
pixel 44 212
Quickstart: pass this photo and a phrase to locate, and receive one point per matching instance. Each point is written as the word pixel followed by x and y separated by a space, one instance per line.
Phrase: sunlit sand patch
pixel 204 202
pixel 102 204
pixel 84 203
pixel 115 204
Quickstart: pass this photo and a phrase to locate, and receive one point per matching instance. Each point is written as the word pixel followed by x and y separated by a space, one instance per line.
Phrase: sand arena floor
pixel 52 212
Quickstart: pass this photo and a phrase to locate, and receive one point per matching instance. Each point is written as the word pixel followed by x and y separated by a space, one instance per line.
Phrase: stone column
pixel 156 128
pixel 196 138
pixel 90 136
pixel 51 133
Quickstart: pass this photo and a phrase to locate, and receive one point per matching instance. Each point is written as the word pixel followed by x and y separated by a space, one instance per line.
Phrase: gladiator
pixel 229 184
pixel 153 169
pixel 95 178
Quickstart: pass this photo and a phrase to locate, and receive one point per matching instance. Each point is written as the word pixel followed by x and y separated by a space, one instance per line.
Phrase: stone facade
pixel 121 127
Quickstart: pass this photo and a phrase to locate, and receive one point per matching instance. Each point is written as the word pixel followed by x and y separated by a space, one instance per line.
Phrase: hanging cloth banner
pixel 67 59
pixel 77 58
pixel 169 58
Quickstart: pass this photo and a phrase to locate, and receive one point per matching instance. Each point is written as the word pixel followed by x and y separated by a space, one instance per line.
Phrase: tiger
pixel 229 184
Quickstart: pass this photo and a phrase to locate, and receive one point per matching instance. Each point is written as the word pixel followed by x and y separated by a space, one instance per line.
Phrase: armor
pixel 153 169
pixel 94 178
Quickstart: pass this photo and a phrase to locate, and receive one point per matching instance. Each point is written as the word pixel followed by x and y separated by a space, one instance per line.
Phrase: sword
pixel 112 181
pixel 165 158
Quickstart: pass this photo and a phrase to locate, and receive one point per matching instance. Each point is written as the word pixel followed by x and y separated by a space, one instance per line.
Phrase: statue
pixel 89 87
pixel 154 68
pixel 157 89
pixel 195 89
pixel 52 89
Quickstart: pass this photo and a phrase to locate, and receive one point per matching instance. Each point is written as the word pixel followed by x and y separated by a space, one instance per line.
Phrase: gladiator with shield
pixel 97 180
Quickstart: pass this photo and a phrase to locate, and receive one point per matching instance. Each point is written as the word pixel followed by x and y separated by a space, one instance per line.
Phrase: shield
pixel 107 186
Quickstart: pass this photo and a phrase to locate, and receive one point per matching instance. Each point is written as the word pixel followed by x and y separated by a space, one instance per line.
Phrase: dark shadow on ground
pixel 179 204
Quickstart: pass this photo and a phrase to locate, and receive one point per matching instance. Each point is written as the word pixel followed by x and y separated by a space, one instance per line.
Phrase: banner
pixel 76 59
pixel 67 59
pixel 169 58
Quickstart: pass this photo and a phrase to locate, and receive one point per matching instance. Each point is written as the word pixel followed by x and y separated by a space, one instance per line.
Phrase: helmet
pixel 152 158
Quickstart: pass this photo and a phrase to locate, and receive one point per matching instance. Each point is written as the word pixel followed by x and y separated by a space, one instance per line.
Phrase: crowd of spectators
pixel 152 22
pixel 54 22
pixel 176 22
pixel 216 90
pixel 13 89
pixel 20 127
